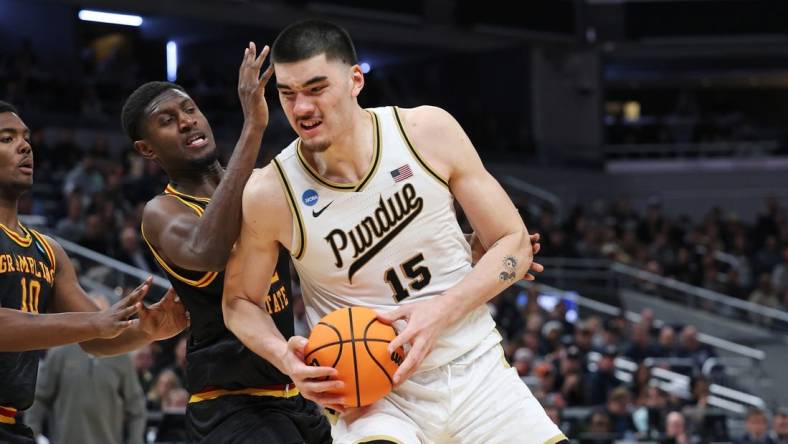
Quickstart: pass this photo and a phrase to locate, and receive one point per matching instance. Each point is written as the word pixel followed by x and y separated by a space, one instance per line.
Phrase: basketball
pixel 355 343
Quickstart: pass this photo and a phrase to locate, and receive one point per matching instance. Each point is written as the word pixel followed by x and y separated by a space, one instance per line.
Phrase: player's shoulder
pixel 426 119
pixel 263 183
pixel 57 249
pixel 263 192
pixel 161 209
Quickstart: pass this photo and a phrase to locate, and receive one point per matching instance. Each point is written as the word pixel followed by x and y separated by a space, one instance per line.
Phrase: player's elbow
pixel 228 310
pixel 524 246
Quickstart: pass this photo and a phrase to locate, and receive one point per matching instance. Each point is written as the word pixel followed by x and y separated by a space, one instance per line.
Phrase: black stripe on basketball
pixel 347 341
pixel 369 352
pixel 355 364
pixel 340 342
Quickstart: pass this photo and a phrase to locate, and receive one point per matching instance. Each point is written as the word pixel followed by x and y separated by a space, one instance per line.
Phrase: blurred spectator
pixel 619 409
pixel 131 251
pixel 97 238
pixel 757 427
pixel 166 381
pixel 640 348
pixel 72 227
pixel 522 361
pixel 85 177
pixel 666 344
pixel 603 380
pixel 675 431
pixel 143 365
pixel 175 401
pixel 766 295
pixel 692 348
pixel 780 273
pixel 641 380
pixel 598 430
pixel 780 426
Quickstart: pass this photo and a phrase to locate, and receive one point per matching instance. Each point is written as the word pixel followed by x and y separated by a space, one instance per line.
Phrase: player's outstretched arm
pixel 247 280
pixel 204 243
pixel 496 223
pixel 111 331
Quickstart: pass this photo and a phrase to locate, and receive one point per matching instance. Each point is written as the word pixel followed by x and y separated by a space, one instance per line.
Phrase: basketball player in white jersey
pixel 363 199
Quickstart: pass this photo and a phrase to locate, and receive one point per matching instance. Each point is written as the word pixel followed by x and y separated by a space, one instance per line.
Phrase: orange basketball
pixel 355 343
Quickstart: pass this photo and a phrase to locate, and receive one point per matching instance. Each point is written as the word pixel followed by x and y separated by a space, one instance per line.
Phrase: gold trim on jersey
pixel 207 278
pixel 288 392
pixel 48 248
pixel 22 241
pixel 205 281
pixel 294 209
pixel 357 186
pixel 171 190
pixel 555 439
pixel 10 417
pixel 416 154
pixel 375 438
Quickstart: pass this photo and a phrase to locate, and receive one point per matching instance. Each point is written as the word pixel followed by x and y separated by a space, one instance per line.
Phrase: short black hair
pixel 6 107
pixel 309 38
pixel 134 108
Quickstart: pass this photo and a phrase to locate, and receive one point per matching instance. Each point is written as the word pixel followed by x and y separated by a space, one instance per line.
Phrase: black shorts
pixel 16 434
pixel 242 419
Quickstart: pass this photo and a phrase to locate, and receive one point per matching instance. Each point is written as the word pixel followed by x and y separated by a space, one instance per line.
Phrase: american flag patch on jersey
pixel 401 173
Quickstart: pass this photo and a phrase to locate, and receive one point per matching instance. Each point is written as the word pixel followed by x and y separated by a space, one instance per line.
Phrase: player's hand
pixel 251 85
pixel 164 319
pixel 425 322
pixel 536 267
pixel 315 383
pixel 114 320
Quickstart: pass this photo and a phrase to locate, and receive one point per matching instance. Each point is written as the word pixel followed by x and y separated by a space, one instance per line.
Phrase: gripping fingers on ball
pixel 322 386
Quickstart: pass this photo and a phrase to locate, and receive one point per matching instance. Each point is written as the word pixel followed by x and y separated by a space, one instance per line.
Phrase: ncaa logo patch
pixel 309 197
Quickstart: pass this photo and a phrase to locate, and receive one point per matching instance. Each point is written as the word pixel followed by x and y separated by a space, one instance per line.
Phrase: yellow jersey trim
pixel 22 241
pixel 557 438
pixel 204 281
pixel 416 154
pixel 294 209
pixel 171 190
pixel 357 186
pixel 48 248
pixel 213 394
pixel 208 277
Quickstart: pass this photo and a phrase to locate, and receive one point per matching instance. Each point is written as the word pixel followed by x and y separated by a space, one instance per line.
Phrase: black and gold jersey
pixel 27 279
pixel 216 359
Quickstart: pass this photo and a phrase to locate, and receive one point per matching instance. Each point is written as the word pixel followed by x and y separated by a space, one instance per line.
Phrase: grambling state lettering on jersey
pixel 17 263
pixel 370 235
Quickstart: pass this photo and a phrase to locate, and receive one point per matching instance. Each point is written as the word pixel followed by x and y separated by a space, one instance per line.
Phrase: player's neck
pixel 201 182
pixel 348 158
pixel 9 212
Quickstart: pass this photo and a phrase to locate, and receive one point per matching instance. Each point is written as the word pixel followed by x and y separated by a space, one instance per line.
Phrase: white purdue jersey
pixel 392 238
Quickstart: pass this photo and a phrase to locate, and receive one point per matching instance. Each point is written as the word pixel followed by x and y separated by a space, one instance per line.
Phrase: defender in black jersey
pixel 236 396
pixel 37 278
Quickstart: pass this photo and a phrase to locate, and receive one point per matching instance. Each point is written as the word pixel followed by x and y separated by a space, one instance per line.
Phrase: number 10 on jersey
pixel 419 276
pixel 30 294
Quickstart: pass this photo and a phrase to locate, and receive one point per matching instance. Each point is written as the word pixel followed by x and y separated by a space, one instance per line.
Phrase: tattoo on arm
pixel 509 267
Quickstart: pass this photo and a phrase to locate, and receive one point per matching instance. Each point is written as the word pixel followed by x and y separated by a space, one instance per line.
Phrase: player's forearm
pixel 256 330
pixel 502 265
pixel 218 228
pixel 27 331
pixel 130 340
